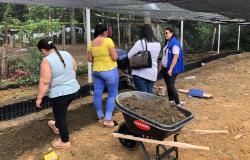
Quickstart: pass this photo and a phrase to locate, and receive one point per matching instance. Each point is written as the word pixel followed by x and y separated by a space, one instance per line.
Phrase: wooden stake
pixel 166 143
pixel 4 61
pixel 203 132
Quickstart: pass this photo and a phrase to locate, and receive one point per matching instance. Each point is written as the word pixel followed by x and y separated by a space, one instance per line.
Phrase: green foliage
pixel 34 60
pixel 43 26
pixel 81 70
pixel 229 36
pixel 16 63
pixel 28 80
pixel 25 72
pixel 197 36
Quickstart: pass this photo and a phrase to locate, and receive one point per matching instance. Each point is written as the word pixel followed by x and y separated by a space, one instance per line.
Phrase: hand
pixel 170 72
pixel 38 102
pixel 159 71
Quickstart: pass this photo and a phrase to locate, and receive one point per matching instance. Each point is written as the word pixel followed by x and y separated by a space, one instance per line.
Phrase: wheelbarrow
pixel 138 129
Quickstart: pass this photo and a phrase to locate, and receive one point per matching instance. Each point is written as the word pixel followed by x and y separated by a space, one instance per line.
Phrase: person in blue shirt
pixel 122 61
pixel 172 64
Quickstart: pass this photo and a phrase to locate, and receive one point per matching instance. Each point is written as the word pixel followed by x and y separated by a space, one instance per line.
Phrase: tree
pixel 72 26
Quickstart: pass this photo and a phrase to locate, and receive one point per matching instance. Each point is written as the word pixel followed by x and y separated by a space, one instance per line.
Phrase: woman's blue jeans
pixel 110 80
pixel 142 84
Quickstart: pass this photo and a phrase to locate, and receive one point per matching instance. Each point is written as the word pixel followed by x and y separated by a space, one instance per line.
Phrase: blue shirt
pixel 179 66
pixel 63 81
pixel 121 54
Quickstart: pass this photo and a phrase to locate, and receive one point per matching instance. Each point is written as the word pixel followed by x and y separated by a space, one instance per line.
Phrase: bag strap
pixel 145 44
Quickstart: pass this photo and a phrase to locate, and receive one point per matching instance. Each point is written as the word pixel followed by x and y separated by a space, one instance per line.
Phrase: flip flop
pixel 115 123
pixel 58 144
pixel 51 124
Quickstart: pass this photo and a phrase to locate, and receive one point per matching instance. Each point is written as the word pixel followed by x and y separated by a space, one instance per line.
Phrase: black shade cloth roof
pixel 164 11
pixel 75 3
pixel 229 8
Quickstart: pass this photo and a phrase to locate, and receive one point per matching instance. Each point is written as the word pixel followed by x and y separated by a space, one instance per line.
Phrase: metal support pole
pixel 218 49
pixel 118 28
pixel 238 45
pixel 181 38
pixel 88 42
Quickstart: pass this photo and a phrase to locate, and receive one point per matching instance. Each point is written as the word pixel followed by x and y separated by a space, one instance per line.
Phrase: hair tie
pixel 50 42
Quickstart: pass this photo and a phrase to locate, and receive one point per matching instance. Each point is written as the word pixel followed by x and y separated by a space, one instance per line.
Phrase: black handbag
pixel 142 59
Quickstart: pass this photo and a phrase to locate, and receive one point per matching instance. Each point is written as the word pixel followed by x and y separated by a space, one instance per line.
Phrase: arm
pixel 45 79
pixel 176 52
pixel 160 67
pixel 134 49
pixel 174 61
pixel 90 57
pixel 74 64
pixel 113 54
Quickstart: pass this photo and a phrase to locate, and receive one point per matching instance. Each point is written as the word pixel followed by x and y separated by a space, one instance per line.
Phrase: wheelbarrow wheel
pixel 129 144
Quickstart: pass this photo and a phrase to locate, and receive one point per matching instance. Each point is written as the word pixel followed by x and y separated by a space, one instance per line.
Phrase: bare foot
pixel 52 125
pixel 59 144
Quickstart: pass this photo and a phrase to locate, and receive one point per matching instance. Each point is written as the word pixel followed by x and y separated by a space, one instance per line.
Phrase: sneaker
pixel 179 105
pixel 182 102
pixel 173 102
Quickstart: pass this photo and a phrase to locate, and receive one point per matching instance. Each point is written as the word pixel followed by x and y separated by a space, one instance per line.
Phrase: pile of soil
pixel 158 110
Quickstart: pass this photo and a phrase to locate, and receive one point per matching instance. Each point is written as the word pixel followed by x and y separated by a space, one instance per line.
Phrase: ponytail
pixel 50 43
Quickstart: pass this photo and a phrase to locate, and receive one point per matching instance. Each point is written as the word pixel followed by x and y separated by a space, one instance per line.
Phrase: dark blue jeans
pixel 142 84
pixel 170 82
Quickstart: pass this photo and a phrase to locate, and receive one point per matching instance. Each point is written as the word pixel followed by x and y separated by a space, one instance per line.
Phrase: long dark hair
pixel 48 45
pixel 146 32
pixel 171 31
pixel 99 29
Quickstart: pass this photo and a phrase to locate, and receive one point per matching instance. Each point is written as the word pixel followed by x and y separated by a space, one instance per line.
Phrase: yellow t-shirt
pixel 102 59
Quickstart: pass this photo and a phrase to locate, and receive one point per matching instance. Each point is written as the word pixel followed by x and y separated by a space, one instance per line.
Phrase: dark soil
pixel 158 110
pixel 19 139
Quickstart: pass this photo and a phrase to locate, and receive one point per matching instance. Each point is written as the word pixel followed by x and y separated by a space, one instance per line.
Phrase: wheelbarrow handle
pixel 166 143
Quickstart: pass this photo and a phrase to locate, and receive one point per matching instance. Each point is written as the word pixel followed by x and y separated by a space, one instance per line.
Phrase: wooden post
pixel 118 28
pixel 147 18
pixel 4 62
pixel 63 37
pixel 158 31
pixel 84 25
pixel 213 39
pixel 72 26
pixel 102 17
pixel 128 34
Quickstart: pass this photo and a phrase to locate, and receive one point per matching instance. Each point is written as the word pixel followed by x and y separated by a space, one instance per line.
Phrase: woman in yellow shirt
pixel 102 53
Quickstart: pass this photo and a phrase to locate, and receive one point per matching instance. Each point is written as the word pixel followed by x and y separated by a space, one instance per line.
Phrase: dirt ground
pixel 158 110
pixel 227 79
